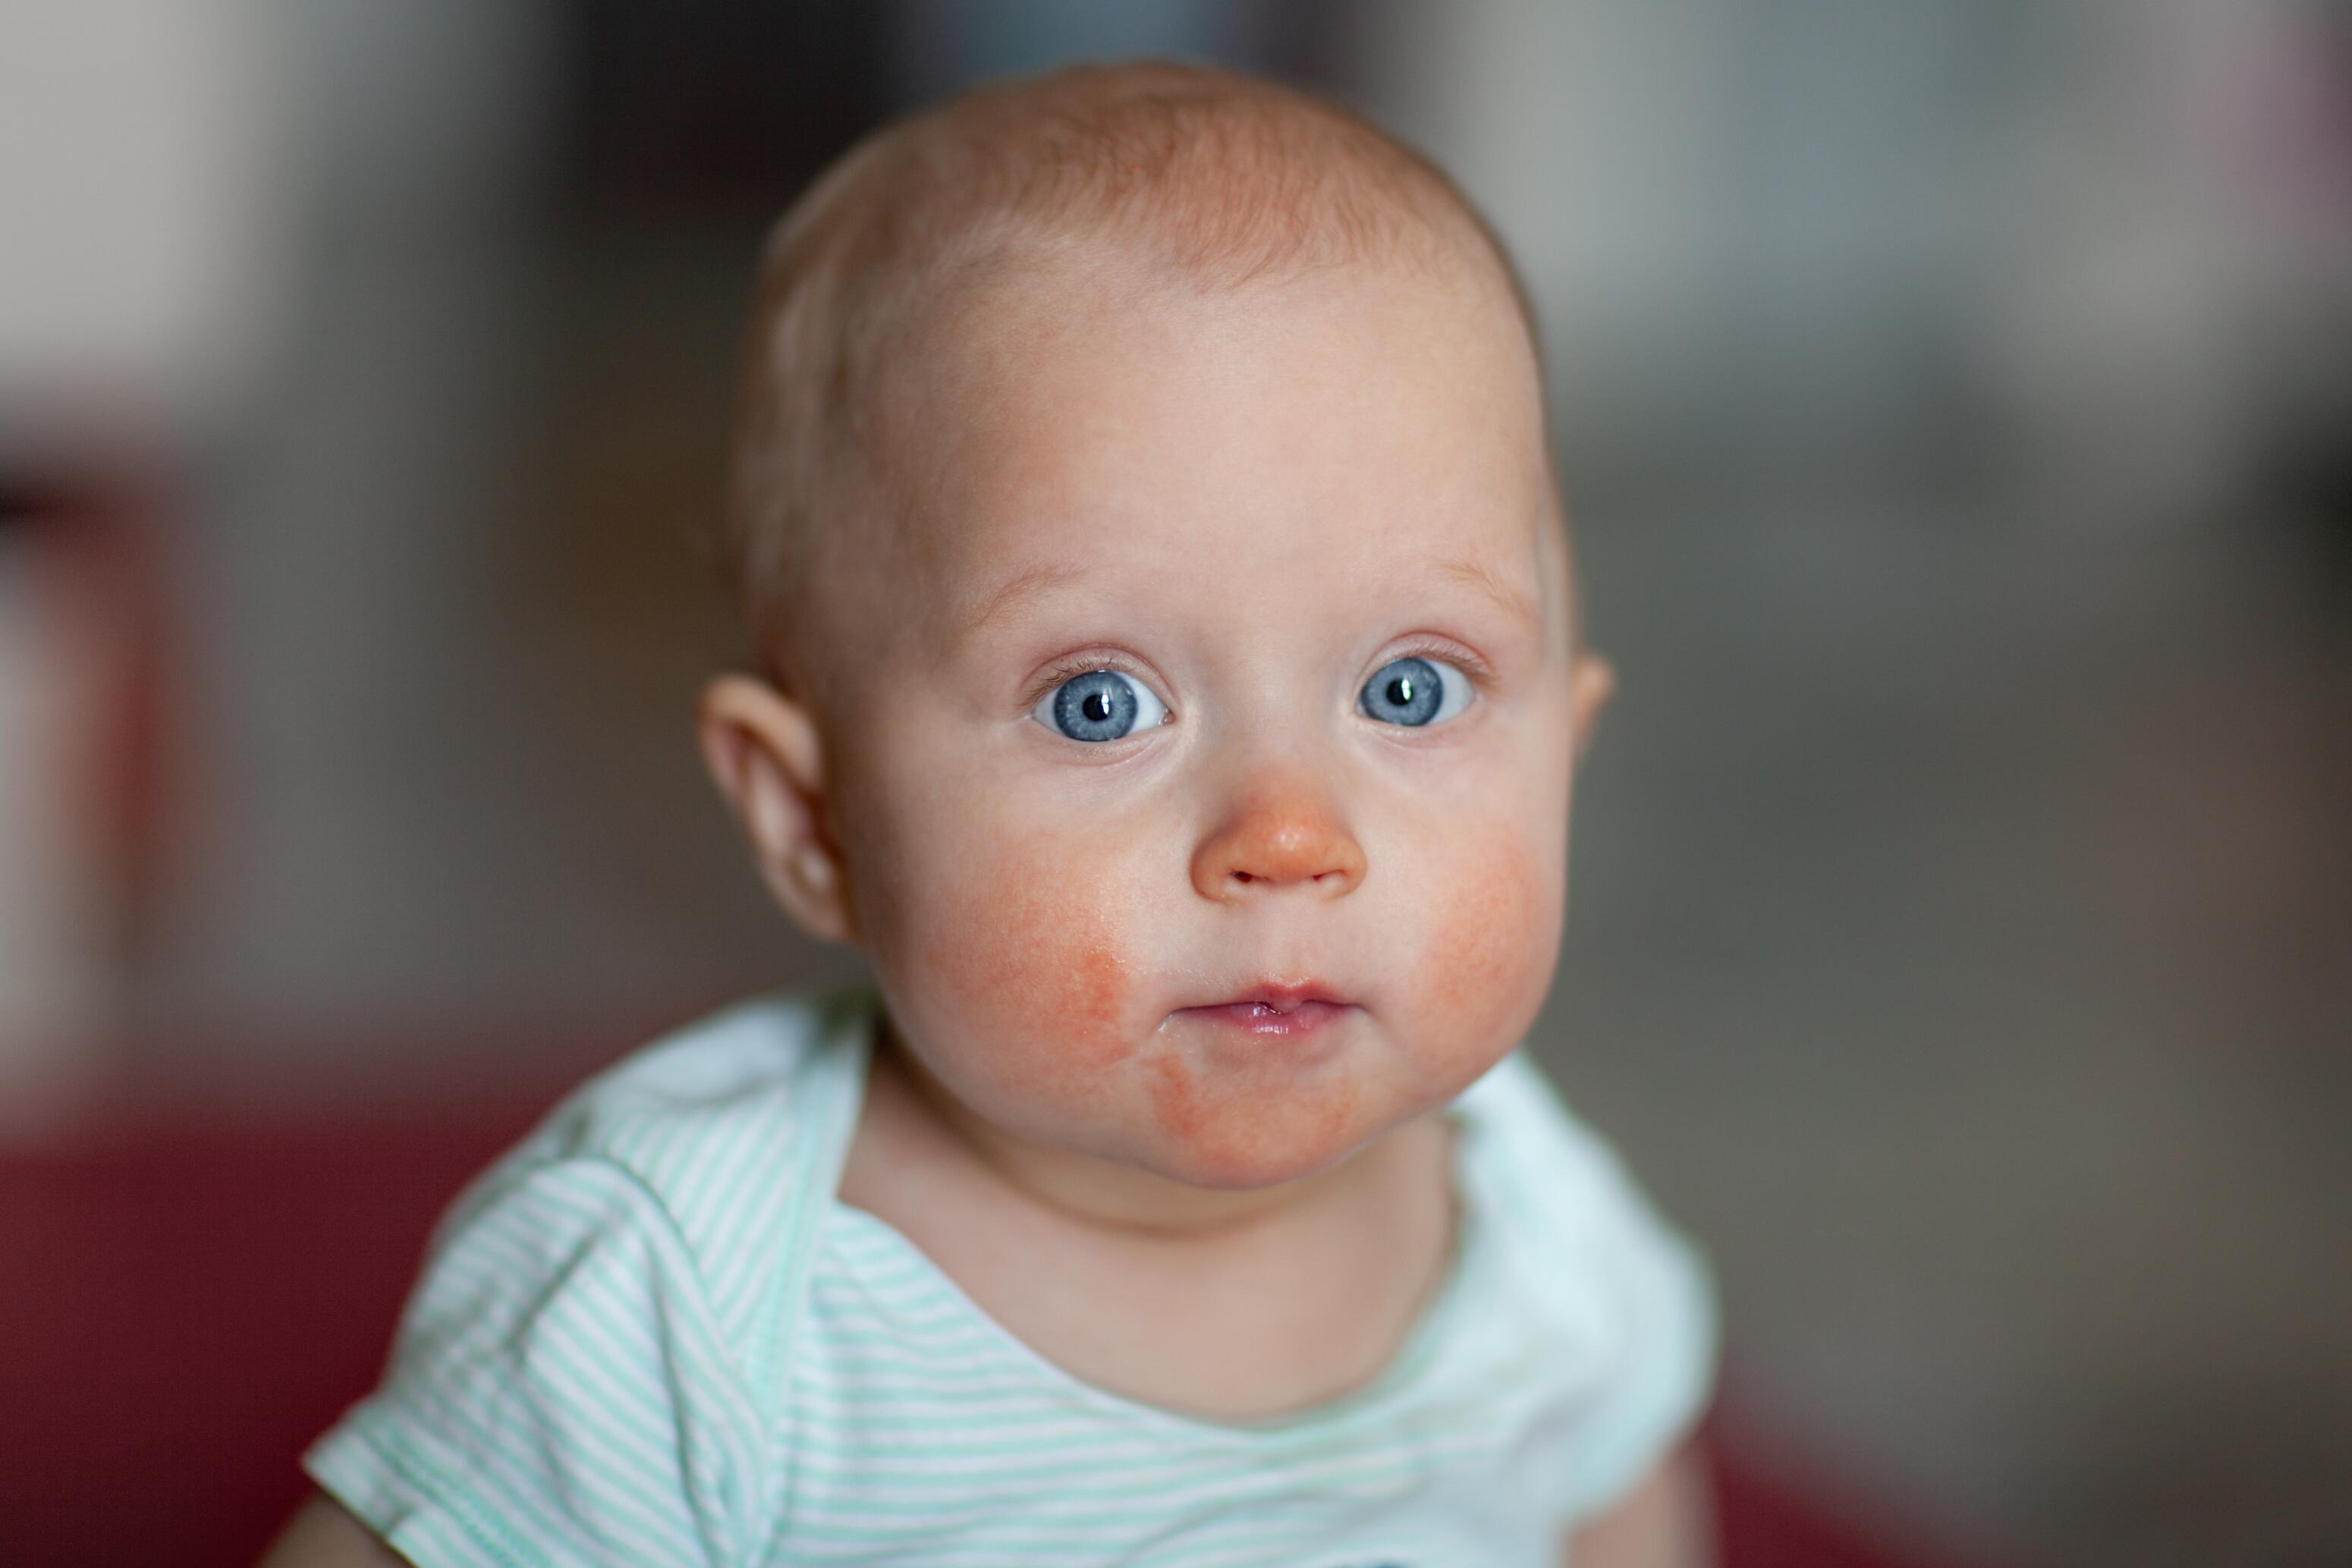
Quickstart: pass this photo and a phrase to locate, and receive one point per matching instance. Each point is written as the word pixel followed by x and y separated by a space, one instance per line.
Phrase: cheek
pixel 1029 966
pixel 1491 950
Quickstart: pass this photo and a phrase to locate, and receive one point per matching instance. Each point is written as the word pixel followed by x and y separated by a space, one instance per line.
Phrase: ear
pixel 1592 681
pixel 762 751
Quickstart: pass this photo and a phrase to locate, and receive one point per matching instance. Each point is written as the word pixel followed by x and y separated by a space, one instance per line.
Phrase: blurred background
pixel 1955 402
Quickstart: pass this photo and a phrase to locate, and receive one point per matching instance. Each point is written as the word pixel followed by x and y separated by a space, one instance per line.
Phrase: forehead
pixel 1323 433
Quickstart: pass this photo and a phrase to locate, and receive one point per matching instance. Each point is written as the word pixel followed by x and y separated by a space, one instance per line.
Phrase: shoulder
pixel 768 1060
pixel 767 1064
pixel 712 1152
pixel 1627 1288
pixel 1556 1174
pixel 594 1351
pixel 1567 1199
pixel 673 1202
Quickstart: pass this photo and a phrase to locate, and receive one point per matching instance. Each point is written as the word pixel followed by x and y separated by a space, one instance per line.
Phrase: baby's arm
pixel 323 1535
pixel 1666 1521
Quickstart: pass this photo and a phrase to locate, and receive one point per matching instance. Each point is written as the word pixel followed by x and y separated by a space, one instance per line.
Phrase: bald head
pixel 1153 181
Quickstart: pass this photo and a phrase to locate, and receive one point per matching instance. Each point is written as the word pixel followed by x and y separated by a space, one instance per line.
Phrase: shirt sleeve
pixel 560 1391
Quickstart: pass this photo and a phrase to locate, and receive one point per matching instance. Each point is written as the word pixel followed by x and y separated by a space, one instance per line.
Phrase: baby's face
pixel 1230 652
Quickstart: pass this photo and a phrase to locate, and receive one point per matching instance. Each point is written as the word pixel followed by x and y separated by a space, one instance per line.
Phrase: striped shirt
pixel 650 1334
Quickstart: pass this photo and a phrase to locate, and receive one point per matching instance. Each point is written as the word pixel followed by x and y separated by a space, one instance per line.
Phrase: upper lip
pixel 1283 996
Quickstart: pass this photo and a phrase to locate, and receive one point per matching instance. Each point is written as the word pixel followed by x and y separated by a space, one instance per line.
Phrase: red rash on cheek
pixel 1035 975
pixel 1492 948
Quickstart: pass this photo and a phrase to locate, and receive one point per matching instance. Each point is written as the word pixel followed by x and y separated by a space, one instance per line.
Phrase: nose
pixel 1282 831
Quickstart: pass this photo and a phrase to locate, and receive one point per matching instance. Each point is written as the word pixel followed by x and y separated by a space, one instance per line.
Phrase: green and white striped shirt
pixel 651 1335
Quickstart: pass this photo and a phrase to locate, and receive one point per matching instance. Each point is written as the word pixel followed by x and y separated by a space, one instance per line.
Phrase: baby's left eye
pixel 1414 692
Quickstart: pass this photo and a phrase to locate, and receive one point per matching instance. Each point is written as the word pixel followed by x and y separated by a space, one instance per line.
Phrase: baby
pixel 1171 683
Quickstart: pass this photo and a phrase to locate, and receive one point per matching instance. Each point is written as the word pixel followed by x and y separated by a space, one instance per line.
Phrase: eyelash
pixel 1481 674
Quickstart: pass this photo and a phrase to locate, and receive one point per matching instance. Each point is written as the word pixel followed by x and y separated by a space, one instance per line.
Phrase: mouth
pixel 1279 1011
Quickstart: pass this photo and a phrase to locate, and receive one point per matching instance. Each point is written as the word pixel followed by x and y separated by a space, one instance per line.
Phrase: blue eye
pixel 1414 692
pixel 1100 705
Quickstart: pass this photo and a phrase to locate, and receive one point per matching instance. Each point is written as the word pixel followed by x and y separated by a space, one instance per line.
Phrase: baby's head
pixel 1161 595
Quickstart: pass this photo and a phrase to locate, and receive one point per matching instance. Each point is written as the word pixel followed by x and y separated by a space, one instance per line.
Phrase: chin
pixel 1248 1154
pixel 1250 1173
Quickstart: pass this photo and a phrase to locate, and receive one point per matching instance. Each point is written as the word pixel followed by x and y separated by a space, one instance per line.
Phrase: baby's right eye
pixel 1099 705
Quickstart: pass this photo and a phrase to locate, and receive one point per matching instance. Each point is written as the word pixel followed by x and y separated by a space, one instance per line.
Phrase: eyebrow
pixel 1002 601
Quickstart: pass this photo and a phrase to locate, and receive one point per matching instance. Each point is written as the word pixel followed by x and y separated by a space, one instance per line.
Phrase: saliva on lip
pixel 1272 1018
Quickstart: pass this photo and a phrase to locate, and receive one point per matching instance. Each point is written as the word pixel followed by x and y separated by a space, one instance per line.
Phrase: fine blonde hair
pixel 1196 178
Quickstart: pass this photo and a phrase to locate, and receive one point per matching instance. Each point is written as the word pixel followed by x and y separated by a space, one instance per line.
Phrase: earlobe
pixel 762 751
pixel 1591 682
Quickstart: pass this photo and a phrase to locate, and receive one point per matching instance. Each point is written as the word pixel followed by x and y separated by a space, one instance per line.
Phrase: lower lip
pixel 1257 1019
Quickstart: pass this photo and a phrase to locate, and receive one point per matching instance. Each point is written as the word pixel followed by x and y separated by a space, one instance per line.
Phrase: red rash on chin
pixel 1248 1129
pixel 1175 1097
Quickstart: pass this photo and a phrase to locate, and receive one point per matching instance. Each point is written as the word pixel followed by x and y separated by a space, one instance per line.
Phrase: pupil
pixel 1097 707
pixel 1401 690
